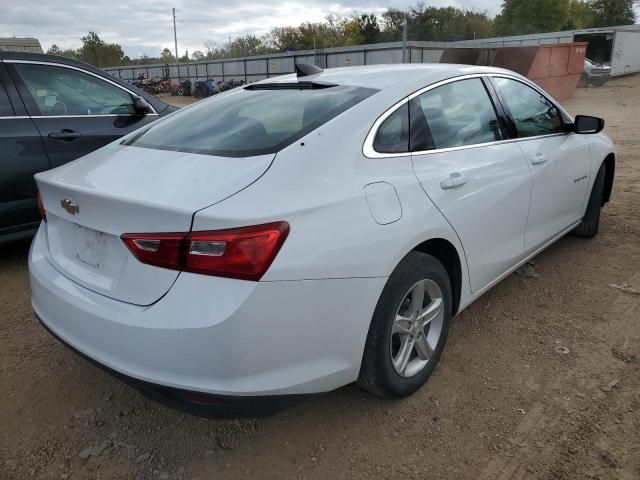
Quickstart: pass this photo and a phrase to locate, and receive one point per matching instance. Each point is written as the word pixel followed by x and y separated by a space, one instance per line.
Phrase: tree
pixel 520 17
pixel 166 56
pixel 393 20
pixel 68 52
pixel 54 50
pixel 97 52
pixel 613 12
pixel 581 15
pixel 365 27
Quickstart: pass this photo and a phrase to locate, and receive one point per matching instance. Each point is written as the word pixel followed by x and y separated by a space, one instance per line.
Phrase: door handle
pixel 539 159
pixel 65 135
pixel 455 180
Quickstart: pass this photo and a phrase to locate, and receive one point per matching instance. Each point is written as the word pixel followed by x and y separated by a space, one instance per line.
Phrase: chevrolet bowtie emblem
pixel 69 206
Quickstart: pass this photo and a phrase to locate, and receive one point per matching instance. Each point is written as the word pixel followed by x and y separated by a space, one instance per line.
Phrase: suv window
pixel 65 91
pixel 533 113
pixel 250 121
pixel 6 110
pixel 453 115
pixel 393 134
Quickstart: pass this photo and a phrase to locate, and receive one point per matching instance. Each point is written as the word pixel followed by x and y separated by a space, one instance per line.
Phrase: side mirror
pixel 586 125
pixel 141 106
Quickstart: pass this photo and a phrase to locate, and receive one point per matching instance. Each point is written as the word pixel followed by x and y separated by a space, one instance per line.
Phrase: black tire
pixel 584 81
pixel 599 82
pixel 590 224
pixel 377 373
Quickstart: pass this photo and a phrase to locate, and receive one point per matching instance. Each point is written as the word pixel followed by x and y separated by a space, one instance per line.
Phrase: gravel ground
pixel 540 380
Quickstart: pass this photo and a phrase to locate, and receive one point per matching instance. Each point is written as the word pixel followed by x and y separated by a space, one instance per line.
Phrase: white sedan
pixel 312 230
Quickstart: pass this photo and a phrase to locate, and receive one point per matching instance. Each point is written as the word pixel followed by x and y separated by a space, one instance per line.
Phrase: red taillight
pixel 244 253
pixel 159 249
pixel 43 212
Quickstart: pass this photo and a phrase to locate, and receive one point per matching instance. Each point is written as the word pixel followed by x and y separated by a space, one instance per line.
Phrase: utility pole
pixel 175 36
pixel 404 41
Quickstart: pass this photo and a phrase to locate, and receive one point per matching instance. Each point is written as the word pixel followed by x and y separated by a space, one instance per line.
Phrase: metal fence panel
pixel 431 56
pixel 255 77
pixel 214 70
pixel 347 59
pixel 156 72
pixel 173 71
pixel 391 55
pixel 234 69
pixel 256 67
pixel 281 65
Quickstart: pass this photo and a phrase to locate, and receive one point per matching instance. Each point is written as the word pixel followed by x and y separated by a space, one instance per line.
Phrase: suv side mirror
pixel 586 125
pixel 141 106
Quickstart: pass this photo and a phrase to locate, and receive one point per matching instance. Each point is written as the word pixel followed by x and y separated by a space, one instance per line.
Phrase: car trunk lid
pixel 91 202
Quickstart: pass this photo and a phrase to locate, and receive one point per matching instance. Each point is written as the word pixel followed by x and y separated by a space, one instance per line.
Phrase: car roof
pixel 42 57
pixel 382 77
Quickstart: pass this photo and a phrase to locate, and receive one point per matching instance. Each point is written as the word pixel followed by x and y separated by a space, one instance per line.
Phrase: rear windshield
pixel 244 123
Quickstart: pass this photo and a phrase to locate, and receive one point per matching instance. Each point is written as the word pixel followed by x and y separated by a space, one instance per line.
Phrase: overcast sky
pixel 144 27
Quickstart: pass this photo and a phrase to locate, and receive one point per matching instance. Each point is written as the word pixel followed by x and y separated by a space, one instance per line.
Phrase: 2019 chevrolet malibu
pixel 312 230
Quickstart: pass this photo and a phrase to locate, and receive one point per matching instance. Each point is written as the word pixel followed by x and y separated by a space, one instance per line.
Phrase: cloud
pixel 145 27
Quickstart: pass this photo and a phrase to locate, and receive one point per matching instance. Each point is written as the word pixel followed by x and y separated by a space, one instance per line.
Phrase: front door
pixel 75 111
pixel 480 184
pixel 559 161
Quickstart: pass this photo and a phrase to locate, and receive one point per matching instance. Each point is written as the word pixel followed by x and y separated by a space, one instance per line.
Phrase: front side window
pixel 65 91
pixel 249 122
pixel 533 113
pixel 453 115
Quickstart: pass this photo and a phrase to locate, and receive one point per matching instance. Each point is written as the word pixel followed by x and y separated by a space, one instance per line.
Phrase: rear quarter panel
pixel 317 185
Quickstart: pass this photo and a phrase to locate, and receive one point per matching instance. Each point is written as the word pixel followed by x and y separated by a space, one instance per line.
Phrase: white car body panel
pixel 353 217
pixel 498 181
pixel 131 190
pixel 560 167
pixel 216 342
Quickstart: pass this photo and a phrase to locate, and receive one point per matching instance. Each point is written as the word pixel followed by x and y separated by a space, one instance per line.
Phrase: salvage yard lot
pixel 540 379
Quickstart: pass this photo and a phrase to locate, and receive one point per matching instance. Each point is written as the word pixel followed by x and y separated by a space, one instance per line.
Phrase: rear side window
pixel 532 112
pixel 6 110
pixel 453 115
pixel 244 123
pixel 393 134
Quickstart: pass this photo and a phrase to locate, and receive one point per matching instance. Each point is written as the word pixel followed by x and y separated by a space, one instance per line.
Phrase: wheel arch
pixel 447 254
pixel 609 174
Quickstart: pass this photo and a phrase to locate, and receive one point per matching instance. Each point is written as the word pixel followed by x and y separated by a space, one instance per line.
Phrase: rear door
pixel 22 155
pixel 560 161
pixel 76 111
pixel 480 183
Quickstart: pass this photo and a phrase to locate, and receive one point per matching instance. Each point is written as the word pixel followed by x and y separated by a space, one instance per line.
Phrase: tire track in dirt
pixel 538 423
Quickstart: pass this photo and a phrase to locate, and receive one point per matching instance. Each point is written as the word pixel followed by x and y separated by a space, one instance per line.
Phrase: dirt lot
pixel 540 379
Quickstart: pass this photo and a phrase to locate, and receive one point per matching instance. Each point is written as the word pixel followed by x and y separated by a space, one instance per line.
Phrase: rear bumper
pixel 216 336
pixel 196 403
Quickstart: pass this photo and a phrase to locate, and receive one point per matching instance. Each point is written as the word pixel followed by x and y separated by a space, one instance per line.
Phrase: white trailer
pixel 625 57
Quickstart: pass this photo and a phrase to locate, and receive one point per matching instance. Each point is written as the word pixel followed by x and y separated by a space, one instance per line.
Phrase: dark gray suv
pixel 54 110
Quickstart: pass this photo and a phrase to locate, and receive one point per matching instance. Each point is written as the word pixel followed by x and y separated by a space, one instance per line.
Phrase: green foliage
pixel 581 15
pixel 55 50
pixel 519 17
pixel 97 52
pixel 94 51
pixel 166 56
pixel 613 12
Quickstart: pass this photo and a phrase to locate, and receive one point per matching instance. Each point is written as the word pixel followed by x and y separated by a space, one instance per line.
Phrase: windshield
pixel 246 122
